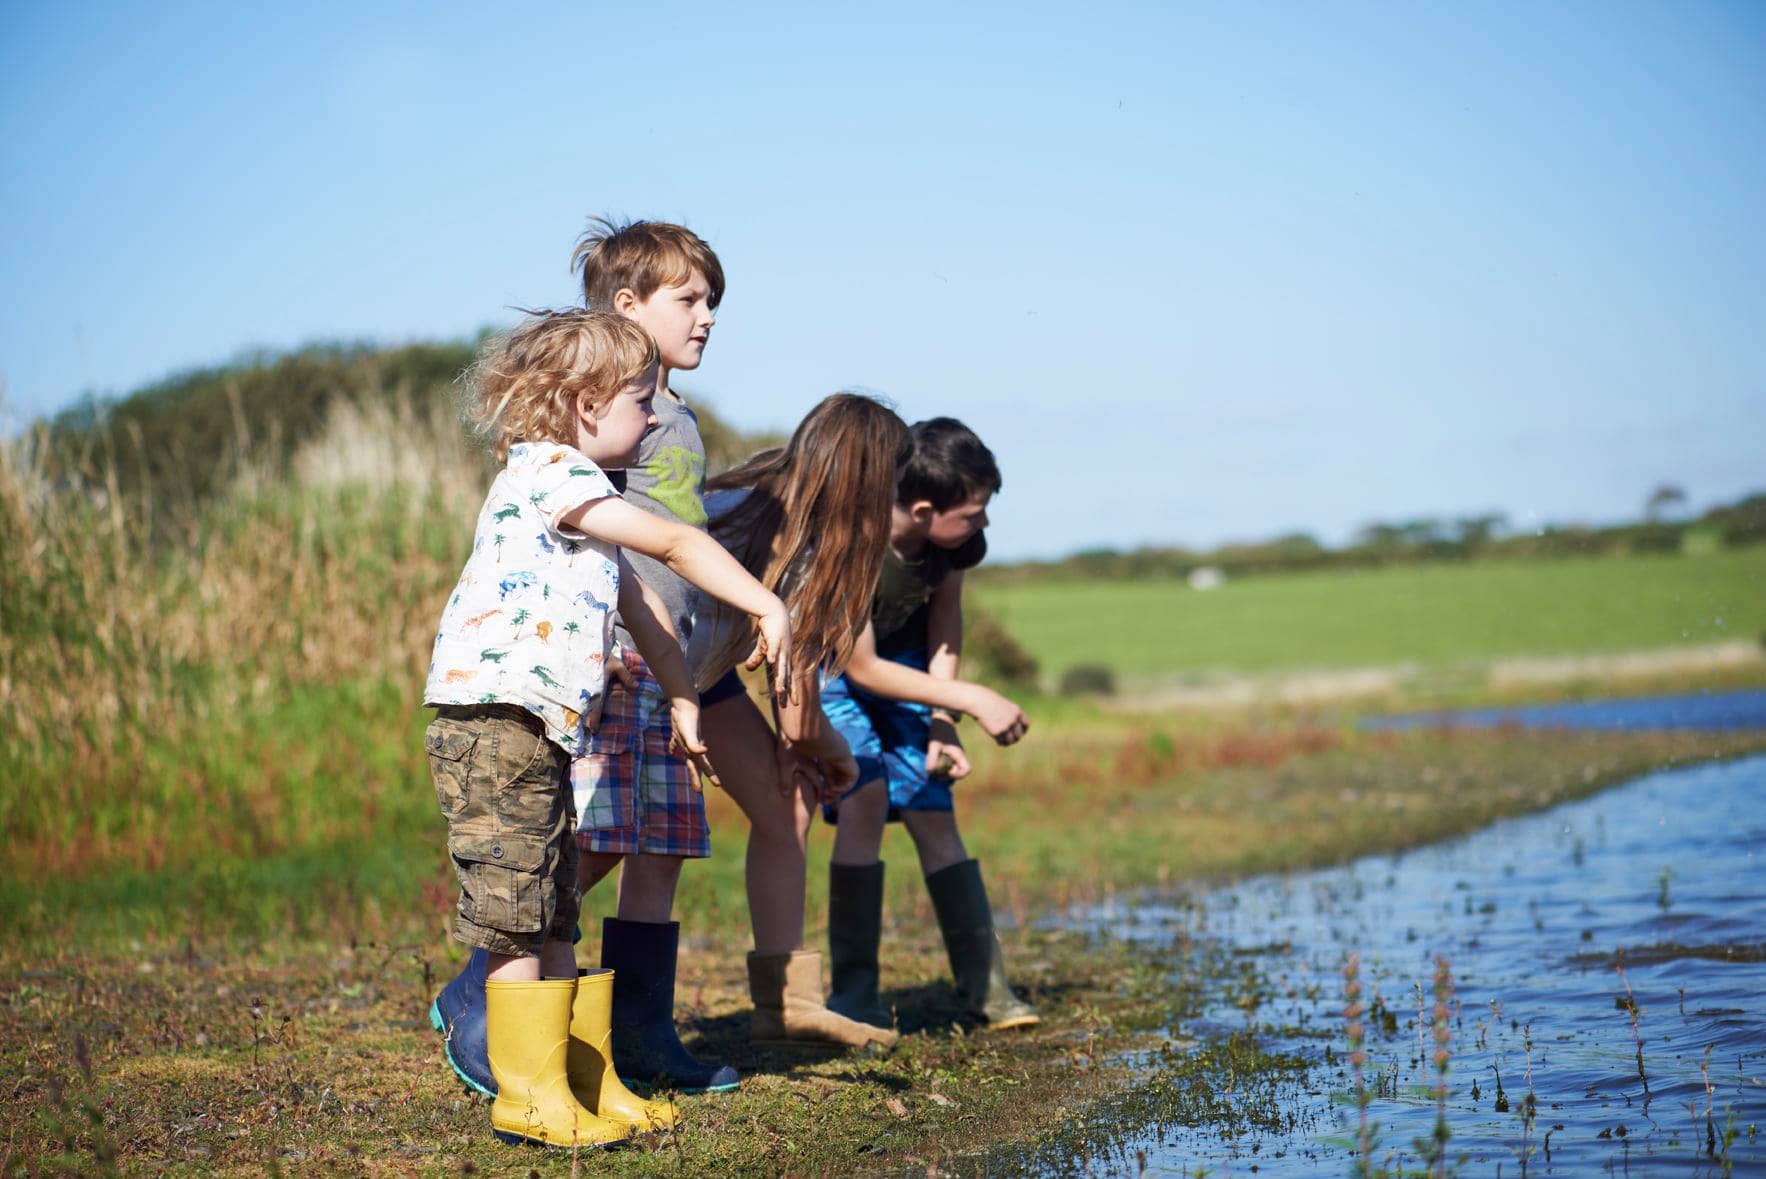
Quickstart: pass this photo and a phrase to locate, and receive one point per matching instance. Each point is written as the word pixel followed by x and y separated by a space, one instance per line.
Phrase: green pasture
pixel 1434 615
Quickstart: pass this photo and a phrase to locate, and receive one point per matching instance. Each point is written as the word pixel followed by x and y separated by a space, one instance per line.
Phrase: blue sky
pixel 1196 272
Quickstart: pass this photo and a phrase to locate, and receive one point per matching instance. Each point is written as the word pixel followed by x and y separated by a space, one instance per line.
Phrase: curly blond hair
pixel 529 381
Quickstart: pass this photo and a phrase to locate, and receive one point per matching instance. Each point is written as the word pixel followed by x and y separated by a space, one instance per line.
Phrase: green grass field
pixel 1433 615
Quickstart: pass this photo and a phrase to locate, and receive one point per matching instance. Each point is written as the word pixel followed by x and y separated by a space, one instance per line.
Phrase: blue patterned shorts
pixel 888 739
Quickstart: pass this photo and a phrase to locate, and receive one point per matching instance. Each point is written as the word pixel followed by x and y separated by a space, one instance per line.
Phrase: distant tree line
pixel 187 436
pixel 1431 538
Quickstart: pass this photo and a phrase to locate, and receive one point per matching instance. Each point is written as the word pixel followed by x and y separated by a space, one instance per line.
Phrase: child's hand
pixel 1002 720
pixel 797 770
pixel 617 675
pixel 683 715
pixel 839 775
pixel 944 752
pixel 773 647
pixel 826 770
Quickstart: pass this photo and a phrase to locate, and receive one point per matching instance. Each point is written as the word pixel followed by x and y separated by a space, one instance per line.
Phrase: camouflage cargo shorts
pixel 504 789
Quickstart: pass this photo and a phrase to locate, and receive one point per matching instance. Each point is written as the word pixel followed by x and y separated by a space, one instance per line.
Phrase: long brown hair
pixel 816 517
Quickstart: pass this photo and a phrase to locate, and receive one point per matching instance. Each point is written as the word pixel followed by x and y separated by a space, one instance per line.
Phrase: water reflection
pixel 1702 711
pixel 1533 914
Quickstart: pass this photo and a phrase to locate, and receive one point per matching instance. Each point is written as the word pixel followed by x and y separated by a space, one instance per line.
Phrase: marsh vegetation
pixel 225 888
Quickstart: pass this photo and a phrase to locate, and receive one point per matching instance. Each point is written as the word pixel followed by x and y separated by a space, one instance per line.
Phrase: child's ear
pixel 921 511
pixel 625 301
pixel 585 412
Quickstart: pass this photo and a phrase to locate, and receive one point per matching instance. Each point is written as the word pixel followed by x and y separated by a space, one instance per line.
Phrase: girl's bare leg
pixel 742 749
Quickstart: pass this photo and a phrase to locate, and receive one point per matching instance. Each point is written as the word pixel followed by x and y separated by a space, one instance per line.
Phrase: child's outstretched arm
pixel 646 616
pixel 939 686
pixel 811 750
pixel 699 559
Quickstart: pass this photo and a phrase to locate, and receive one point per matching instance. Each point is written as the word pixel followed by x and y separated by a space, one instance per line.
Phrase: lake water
pixel 1532 914
pixel 1708 711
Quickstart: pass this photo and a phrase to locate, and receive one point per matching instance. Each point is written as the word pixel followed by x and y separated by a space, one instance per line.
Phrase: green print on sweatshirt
pixel 679 473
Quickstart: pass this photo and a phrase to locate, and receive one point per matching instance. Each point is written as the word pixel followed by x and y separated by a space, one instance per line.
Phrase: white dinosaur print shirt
pixel 529 622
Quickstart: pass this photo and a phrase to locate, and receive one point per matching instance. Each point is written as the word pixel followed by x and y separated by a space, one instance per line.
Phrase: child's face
pixel 953 527
pixel 610 435
pixel 679 319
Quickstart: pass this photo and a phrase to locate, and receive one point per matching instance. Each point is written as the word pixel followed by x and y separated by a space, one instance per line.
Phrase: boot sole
pixel 511 1138
pixel 665 1085
pixel 1017 1021
pixel 440 1025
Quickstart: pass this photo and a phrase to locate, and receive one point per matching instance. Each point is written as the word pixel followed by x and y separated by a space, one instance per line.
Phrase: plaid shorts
pixel 632 794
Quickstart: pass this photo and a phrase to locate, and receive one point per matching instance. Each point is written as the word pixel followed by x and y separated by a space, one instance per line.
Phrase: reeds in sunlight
pixel 150 619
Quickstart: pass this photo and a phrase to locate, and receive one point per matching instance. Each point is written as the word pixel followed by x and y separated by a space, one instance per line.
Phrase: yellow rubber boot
pixel 527 1033
pixel 592 1078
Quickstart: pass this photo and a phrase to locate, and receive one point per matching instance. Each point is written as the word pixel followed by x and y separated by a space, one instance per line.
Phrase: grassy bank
pixel 1435 615
pixel 264 1013
pixel 225 890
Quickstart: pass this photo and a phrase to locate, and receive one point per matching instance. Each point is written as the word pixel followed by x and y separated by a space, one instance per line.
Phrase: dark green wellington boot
pixel 966 920
pixel 855 926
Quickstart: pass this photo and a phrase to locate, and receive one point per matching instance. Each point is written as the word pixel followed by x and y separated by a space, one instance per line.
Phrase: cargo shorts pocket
pixel 449 744
pixel 502 882
pixel 529 779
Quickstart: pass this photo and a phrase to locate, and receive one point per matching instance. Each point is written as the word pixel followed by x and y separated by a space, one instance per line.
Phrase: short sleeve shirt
pixel 530 618
pixel 668 482
pixel 899 612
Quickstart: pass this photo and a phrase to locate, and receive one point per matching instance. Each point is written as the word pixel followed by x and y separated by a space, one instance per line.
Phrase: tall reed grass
pixel 145 634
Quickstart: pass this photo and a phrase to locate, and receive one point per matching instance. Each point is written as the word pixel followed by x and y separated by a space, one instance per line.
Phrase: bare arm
pixel 811 749
pixel 885 677
pixel 938 686
pixel 646 616
pixel 944 630
pixel 693 555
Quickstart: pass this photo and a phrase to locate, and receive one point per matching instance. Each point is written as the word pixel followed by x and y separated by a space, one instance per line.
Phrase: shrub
pixel 1088 679
pixel 990 650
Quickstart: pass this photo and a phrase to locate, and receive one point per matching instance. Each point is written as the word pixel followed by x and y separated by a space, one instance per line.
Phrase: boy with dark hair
pixel 637 798
pixel 897 706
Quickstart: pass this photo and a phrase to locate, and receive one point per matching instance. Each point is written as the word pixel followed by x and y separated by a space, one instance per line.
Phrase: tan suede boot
pixel 789 1010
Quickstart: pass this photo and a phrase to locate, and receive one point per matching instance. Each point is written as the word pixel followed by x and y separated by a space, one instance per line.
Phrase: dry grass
pixel 115 646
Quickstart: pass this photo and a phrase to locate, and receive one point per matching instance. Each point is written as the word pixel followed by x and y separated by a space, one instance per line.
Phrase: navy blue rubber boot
pixel 646 1046
pixel 458 1014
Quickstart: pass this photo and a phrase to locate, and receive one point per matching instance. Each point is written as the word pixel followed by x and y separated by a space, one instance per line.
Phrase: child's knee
pixel 592 867
pixel 649 872
pixel 935 836
pixel 866 805
pixel 786 822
